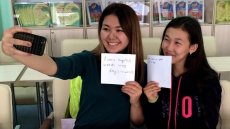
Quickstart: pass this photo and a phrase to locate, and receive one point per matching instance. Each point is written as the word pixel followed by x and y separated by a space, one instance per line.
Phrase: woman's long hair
pixel 196 63
pixel 130 24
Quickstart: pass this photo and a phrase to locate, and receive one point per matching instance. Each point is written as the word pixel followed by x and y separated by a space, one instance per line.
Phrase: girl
pixel 194 99
pixel 102 106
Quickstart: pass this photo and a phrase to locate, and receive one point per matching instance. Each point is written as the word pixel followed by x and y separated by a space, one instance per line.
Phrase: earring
pixel 190 53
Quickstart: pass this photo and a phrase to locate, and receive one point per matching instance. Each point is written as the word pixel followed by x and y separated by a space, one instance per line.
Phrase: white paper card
pixel 117 68
pixel 67 123
pixel 159 69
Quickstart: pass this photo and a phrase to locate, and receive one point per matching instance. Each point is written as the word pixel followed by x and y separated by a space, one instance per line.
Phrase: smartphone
pixel 38 43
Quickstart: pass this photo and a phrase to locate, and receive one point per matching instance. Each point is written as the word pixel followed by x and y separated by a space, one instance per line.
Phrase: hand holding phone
pixel 38 43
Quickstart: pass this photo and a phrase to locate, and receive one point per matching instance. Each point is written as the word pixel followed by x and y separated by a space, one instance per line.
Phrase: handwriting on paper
pixel 159 69
pixel 117 68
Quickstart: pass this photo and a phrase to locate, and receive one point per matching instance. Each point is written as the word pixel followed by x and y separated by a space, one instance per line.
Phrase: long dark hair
pixel 131 27
pixel 196 63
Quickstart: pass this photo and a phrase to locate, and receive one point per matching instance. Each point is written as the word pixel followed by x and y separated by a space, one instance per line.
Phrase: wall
pixel 6 16
pixel 1 28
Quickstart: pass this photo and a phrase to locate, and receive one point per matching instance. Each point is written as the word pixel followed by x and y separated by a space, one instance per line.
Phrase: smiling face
pixel 176 44
pixel 112 35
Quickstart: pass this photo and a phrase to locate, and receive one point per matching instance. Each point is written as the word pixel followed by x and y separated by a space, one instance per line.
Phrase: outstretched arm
pixel 44 63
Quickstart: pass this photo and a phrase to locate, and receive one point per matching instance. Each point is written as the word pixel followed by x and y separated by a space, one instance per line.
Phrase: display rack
pixel 78 18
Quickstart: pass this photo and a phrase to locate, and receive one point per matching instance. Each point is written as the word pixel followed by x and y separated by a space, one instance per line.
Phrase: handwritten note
pixel 159 69
pixel 117 68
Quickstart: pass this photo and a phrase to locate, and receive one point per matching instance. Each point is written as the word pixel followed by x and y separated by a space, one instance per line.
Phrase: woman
pixel 194 99
pixel 103 106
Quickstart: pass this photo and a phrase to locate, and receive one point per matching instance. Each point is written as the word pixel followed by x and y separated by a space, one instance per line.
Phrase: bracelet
pixel 153 101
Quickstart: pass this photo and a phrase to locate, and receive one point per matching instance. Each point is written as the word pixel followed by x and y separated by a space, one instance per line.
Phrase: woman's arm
pixel 44 63
pixel 136 114
pixel 134 90
pixel 212 101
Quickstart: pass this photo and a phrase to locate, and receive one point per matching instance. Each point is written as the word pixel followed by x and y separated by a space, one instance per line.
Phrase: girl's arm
pixel 212 102
pixel 151 91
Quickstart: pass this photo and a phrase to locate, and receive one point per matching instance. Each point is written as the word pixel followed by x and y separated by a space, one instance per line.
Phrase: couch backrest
pixel 210 46
pixel 70 46
pixel 150 45
pixel 224 122
pixel 60 100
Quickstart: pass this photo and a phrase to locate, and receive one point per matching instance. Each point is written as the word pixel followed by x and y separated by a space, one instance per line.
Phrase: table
pixel 10 74
pixel 38 77
pixel 220 64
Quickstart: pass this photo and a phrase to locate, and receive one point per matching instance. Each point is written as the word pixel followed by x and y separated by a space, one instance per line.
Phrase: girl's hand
pixel 8 41
pixel 134 90
pixel 151 91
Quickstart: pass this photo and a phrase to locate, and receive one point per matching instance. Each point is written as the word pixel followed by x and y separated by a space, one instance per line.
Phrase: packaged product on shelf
pixel 155 12
pixel 94 11
pixel 227 11
pixel 196 9
pixel 72 14
pixel 41 12
pixel 32 14
pixel 220 11
pixel 24 14
pixel 166 9
pixel 181 7
pixel 139 7
pixel 57 13
pixel 66 13
pixel 113 1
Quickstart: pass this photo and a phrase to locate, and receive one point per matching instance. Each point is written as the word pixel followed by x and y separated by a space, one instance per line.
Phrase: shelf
pixel 149 28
